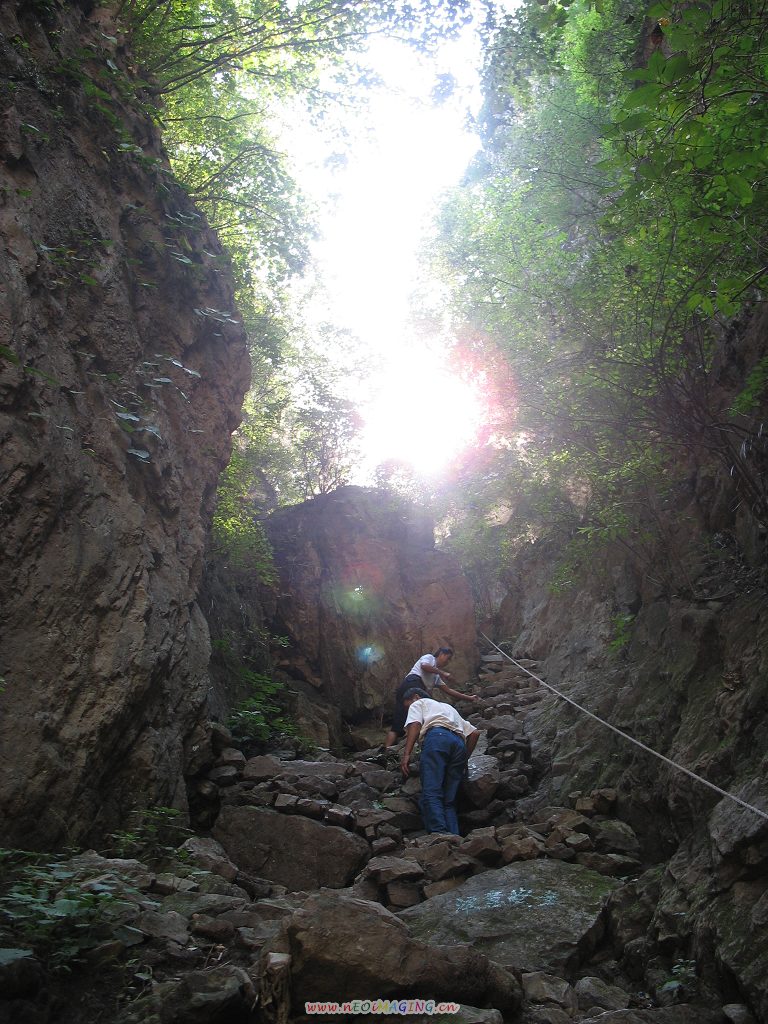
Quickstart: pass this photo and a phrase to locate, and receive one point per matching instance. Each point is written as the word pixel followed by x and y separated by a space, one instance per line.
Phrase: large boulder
pixel 292 850
pixel 537 915
pixel 342 948
pixel 363 594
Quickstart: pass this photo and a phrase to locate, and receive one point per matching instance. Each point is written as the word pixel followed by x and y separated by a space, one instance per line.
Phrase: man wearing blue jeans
pixel 447 740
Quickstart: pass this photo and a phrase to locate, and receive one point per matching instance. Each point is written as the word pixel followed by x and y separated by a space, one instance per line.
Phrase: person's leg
pixel 397 727
pixel 432 764
pixel 456 762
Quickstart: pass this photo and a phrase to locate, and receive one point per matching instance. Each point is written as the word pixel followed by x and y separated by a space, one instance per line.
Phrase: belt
pixel 444 728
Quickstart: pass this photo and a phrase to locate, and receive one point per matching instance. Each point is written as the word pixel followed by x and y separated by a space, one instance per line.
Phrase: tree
pixel 607 235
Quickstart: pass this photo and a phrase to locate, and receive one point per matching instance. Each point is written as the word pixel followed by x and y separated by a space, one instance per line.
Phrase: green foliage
pixel 621 632
pixel 44 908
pixel 238 538
pixel 754 388
pixel 154 835
pixel 261 715
pixel 607 235
pixel 213 74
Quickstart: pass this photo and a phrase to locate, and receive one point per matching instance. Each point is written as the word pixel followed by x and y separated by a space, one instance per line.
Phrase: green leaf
pixel 675 68
pixel 656 64
pixel 635 121
pixel 10 355
pixel 637 75
pixel 740 187
pixel 9 955
pixel 643 96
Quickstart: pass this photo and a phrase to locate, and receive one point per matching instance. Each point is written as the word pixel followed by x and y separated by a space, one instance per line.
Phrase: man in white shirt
pixel 447 740
pixel 429 671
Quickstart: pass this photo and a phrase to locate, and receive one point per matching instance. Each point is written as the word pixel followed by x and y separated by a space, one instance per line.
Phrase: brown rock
pixel 389 869
pixel 292 850
pixel 348 555
pixel 521 849
pixel 257 769
pixel 216 929
pixel 444 885
pixel 612 864
pixel 343 948
pixel 482 845
pixel 403 894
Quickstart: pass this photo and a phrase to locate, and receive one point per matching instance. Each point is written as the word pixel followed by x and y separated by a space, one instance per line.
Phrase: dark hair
pixel 415 691
pixel 443 650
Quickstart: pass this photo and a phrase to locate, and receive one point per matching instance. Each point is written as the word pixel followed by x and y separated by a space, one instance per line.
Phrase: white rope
pixel 631 739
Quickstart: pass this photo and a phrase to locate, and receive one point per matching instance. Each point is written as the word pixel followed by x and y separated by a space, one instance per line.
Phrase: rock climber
pixel 447 741
pixel 429 673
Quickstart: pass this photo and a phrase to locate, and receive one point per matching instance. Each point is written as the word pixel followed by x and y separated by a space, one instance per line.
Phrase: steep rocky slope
pixel 672 649
pixel 122 372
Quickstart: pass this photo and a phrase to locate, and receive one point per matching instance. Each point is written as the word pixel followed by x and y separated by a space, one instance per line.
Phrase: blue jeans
pixel 442 764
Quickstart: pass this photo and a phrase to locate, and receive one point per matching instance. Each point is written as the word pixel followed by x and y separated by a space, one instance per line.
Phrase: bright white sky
pixel 374 211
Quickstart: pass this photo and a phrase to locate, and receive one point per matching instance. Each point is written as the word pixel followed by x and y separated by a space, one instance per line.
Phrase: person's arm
pixel 433 670
pixel 411 735
pixel 439 688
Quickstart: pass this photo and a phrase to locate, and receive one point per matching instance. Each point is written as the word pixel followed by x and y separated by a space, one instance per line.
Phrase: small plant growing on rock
pixel 260 716
pixel 46 913
pixel 622 632
pixel 154 836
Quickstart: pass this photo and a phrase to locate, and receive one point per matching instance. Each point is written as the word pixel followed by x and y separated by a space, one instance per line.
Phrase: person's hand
pixel 473 697
pixel 446 675
pixel 404 766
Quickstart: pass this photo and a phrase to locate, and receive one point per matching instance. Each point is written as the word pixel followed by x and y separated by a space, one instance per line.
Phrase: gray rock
pixel 166 925
pixel 732 826
pixel 321 769
pixel 482 780
pixel 539 987
pixel 738 1013
pixel 595 992
pixel 530 916
pixel 260 768
pixel 343 948
pixel 208 854
pixel 613 836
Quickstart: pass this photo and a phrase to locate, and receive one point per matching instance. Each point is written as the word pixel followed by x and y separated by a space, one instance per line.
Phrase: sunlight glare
pixel 421 415
pixel 375 202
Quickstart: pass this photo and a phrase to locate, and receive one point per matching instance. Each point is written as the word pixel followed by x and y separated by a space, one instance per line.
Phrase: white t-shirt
pixel 430 678
pixel 430 713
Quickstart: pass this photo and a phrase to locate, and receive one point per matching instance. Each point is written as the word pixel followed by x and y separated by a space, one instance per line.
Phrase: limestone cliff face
pixel 122 371
pixel 362 594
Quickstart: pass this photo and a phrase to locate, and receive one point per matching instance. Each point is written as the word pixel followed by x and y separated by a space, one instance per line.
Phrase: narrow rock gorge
pixel 593 881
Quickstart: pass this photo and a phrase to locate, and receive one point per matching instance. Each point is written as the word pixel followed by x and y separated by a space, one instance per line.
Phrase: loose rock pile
pixel 317 883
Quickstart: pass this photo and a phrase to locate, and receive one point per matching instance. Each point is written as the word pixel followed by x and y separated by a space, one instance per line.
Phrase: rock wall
pixel 362 594
pixel 122 371
pixel 673 650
